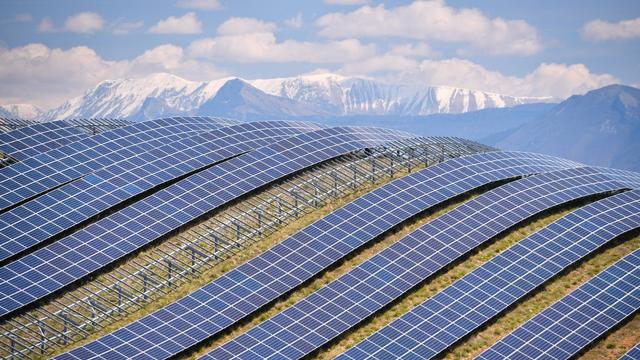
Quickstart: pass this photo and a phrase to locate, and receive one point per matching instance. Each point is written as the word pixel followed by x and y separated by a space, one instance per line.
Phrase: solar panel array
pixel 568 326
pixel 45 171
pixel 70 205
pixel 55 266
pixel 241 291
pixel 633 354
pixel 470 302
pixel 369 287
pixel 8 124
pixel 31 140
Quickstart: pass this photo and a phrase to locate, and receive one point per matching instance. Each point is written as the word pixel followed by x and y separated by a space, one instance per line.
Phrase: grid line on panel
pixel 373 284
pixel 32 140
pixel 72 204
pixel 262 279
pixel 572 323
pixel 41 173
pixel 459 309
pixel 54 266
pixel 632 354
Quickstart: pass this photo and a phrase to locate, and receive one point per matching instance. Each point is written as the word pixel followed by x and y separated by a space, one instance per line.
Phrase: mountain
pixel 601 127
pixel 22 111
pixel 356 96
pixel 238 99
pixel 326 94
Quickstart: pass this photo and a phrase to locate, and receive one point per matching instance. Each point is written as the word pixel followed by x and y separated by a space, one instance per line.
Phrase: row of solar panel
pixel 70 205
pixel 51 268
pixel 26 139
pixel 389 274
pixel 241 291
pixel 45 171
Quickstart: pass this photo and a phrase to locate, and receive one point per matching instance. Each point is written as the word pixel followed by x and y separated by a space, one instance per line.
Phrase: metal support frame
pixel 180 258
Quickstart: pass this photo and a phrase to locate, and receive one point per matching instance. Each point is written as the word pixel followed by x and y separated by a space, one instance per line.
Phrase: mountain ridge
pixel 163 94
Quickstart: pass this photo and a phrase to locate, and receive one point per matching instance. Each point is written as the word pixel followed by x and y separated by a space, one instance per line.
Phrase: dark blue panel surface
pixel 31 140
pixel 43 172
pixel 241 291
pixel 51 268
pixel 572 323
pixel 470 302
pixel 378 281
pixel 65 207
pixel 633 354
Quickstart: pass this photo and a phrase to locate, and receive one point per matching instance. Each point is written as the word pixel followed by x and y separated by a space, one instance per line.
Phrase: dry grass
pixel 216 271
pixel 547 295
pixel 436 284
pixel 342 268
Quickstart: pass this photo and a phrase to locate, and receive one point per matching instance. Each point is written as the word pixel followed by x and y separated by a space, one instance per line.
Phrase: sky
pixel 51 51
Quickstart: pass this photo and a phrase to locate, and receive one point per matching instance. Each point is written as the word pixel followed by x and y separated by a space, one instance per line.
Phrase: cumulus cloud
pixel 46 25
pixel 46 76
pixel 243 25
pixel 434 20
pixel 84 23
pixel 263 47
pixel 186 24
pixel 599 30
pixel 557 80
pixel 124 28
pixel 419 49
pixel 250 40
pixel 346 2
pixel 294 22
pixel 199 4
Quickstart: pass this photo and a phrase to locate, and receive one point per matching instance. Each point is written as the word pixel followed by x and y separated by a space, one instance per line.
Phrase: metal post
pixel 43 337
pixel 65 328
pixel 193 260
pixel 145 285
pixel 169 271
pixel 238 232
pixel 119 288
pixel 259 216
pixel 92 304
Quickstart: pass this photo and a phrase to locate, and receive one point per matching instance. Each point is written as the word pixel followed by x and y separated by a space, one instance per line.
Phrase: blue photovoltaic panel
pixel 633 354
pixel 568 326
pixel 51 268
pixel 65 207
pixel 375 283
pixel 470 302
pixel 43 172
pixel 241 291
pixel 31 140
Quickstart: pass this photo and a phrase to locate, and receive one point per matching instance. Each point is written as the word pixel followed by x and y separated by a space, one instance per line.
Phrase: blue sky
pixel 54 50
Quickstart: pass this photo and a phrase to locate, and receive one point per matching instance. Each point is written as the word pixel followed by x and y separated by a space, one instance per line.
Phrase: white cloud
pixel 379 64
pixel 84 23
pixel 295 22
pixel 599 30
pixel 557 80
pixel 24 17
pixel 243 25
pixel 46 25
pixel 186 24
pixel 420 49
pixel 124 28
pixel 46 77
pixel 346 2
pixel 263 47
pixel 434 20
pixel 250 40
pixel 199 4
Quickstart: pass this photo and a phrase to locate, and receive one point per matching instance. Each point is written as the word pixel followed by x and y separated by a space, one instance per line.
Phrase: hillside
pixel 601 128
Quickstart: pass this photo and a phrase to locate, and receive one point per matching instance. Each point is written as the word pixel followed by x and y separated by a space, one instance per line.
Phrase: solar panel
pixel 45 171
pixel 28 141
pixel 633 354
pixel 51 268
pixel 376 282
pixel 569 325
pixel 8 124
pixel 70 205
pixel 239 292
pixel 471 301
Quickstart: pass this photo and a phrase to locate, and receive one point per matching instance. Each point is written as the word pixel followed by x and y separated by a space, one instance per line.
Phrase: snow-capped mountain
pixel 164 95
pixel 22 111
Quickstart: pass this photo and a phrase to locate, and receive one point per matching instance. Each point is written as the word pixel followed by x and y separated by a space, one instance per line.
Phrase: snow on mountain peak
pixel 163 94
